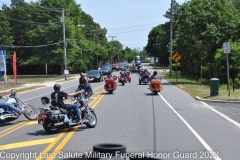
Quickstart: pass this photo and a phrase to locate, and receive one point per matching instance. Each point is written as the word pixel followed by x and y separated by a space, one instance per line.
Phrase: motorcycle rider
pixel 154 76
pixel 9 106
pixel 83 83
pixel 63 95
pixel 123 74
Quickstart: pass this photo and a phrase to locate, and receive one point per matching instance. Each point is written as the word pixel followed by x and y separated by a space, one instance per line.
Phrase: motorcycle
pixel 110 85
pixel 88 91
pixel 128 77
pixel 121 80
pixel 144 78
pixel 155 86
pixel 54 118
pixel 7 115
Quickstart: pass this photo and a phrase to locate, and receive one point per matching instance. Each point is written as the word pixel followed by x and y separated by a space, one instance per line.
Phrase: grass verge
pixel 195 88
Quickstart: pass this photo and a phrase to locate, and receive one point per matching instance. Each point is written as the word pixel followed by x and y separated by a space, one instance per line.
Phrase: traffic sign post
pixel 176 57
pixel 226 50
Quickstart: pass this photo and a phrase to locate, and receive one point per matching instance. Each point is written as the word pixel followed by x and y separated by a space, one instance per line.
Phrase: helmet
pixel 145 70
pixel 155 72
pixel 56 87
pixel 81 73
pixel 122 69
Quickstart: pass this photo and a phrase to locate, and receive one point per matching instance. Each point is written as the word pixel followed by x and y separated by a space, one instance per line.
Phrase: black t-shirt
pixel 61 96
pixel 82 80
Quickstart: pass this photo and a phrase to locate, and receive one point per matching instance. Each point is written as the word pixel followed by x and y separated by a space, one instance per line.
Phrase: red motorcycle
pixel 128 77
pixel 110 85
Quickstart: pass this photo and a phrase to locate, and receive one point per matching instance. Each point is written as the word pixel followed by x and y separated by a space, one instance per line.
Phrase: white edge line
pixel 216 157
pixel 222 115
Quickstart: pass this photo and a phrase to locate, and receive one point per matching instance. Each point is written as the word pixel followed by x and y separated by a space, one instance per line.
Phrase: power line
pixel 130 31
pixel 136 26
pixel 30 22
pixel 8 46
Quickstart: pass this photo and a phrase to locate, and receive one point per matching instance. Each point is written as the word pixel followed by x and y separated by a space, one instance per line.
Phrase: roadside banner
pixel 3 64
pixel 14 65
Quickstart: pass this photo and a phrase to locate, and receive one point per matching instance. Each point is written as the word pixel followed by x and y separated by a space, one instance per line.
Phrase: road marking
pixel 63 143
pixel 51 144
pixel 13 128
pixel 32 122
pixel 26 143
pixel 216 157
pixel 99 99
pixel 95 99
pixel 222 115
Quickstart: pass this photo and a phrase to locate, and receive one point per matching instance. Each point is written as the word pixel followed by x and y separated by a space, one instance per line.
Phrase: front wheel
pixel 92 120
pixel 50 129
pixel 30 112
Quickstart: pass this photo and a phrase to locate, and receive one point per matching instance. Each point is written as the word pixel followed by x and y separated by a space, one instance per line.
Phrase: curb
pixel 217 101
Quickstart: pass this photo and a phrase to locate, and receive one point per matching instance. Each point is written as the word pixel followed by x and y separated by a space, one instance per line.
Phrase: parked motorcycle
pixel 155 86
pixel 7 115
pixel 110 85
pixel 144 78
pixel 54 118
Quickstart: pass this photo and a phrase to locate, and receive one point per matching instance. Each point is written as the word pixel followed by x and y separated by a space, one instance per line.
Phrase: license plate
pixel 109 85
pixel 155 85
pixel 41 111
pixel 145 79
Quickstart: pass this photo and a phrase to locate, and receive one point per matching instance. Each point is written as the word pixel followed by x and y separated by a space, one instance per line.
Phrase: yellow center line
pixel 100 98
pixel 63 143
pixel 13 129
pixel 95 99
pixel 51 144
pixel 26 143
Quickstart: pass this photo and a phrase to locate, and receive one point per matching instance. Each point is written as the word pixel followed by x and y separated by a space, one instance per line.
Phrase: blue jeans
pixel 88 86
pixel 9 107
pixel 124 76
pixel 75 108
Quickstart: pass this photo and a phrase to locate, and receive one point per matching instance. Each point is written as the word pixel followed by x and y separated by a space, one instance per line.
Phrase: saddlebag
pixel 54 116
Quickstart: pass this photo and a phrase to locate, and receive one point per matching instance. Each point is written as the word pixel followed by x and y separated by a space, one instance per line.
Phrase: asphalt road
pixel 171 125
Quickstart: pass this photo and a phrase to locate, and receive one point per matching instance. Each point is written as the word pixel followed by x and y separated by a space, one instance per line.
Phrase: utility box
pixel 214 87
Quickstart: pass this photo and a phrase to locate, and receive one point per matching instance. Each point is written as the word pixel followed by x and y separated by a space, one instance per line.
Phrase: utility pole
pixel 64 46
pixel 112 40
pixel 171 30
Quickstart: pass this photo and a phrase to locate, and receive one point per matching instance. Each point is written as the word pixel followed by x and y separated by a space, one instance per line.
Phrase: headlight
pixel 97 77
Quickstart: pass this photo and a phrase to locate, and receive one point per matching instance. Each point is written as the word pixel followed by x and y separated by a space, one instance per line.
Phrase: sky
pixel 129 21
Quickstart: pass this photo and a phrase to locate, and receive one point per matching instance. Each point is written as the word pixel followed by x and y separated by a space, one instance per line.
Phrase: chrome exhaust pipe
pixel 3 117
pixel 58 124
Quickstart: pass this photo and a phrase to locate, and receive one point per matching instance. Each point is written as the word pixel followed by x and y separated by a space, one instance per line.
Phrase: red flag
pixel 14 64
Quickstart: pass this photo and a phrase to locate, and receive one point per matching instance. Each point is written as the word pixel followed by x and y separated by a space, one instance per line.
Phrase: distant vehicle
pixel 96 75
pixel 121 66
pixel 138 62
pixel 106 70
pixel 106 65
pixel 115 67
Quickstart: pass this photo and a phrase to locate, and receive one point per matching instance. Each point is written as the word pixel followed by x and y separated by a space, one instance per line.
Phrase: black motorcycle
pixel 54 118
pixel 7 115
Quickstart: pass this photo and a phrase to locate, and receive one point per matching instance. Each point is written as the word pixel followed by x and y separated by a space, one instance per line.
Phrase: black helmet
pixel 56 87
pixel 81 73
pixel 155 72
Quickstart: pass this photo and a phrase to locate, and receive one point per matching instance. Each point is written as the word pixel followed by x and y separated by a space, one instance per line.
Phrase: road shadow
pixel 150 94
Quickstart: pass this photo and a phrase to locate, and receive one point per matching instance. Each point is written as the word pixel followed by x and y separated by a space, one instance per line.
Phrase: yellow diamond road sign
pixel 176 57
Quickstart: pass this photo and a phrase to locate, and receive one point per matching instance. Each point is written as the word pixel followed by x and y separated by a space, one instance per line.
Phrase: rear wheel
pixel 30 112
pixel 156 92
pixel 50 129
pixel 110 92
pixel 92 120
